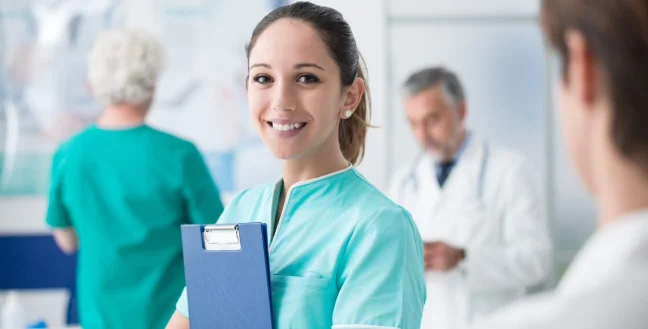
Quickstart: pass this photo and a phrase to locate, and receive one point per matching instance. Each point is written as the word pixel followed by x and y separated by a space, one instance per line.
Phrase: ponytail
pixel 353 131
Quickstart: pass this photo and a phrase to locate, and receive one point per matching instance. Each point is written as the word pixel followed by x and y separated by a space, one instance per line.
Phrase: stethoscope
pixel 412 179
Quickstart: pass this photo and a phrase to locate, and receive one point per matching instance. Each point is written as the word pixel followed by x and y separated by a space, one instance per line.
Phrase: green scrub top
pixel 126 193
pixel 343 255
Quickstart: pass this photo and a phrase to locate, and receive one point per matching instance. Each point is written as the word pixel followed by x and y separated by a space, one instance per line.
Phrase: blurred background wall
pixel 495 46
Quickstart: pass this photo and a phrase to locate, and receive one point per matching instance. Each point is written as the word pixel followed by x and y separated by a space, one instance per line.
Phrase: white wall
pixel 461 8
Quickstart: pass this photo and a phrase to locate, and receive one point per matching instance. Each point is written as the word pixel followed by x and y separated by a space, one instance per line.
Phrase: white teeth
pixel 286 127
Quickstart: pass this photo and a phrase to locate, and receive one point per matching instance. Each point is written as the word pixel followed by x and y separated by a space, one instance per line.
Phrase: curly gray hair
pixel 124 66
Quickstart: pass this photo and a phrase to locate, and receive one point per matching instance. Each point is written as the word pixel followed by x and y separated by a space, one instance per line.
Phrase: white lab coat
pixel 499 220
pixel 605 287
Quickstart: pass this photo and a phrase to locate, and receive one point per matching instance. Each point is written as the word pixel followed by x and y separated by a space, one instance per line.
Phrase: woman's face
pixel 294 90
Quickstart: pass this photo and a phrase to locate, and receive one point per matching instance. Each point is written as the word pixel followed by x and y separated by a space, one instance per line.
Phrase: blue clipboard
pixel 227 276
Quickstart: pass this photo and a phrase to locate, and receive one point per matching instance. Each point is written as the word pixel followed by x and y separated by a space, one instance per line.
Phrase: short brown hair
pixel 617 33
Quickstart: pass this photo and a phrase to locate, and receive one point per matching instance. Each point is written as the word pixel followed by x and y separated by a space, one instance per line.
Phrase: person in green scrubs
pixel 342 255
pixel 121 189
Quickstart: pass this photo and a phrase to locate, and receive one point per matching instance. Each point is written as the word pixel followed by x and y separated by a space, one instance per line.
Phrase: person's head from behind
pixel 306 88
pixel 123 69
pixel 602 96
pixel 435 106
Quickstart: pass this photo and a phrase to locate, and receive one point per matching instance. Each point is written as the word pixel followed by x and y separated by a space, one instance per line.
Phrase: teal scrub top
pixel 126 193
pixel 343 255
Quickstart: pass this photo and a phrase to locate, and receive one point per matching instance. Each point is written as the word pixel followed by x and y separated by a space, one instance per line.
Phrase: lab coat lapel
pixel 427 197
pixel 463 177
pixel 454 219
pixel 435 205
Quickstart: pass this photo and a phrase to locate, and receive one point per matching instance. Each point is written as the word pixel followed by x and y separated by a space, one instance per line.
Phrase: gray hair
pixel 124 66
pixel 434 77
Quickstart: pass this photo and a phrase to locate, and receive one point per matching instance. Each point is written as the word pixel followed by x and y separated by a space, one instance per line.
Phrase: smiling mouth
pixel 287 126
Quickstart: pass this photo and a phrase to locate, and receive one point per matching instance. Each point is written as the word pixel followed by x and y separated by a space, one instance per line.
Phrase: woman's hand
pixel 178 321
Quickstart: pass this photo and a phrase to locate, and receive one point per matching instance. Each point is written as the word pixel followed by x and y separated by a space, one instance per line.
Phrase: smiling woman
pixel 333 78
pixel 342 254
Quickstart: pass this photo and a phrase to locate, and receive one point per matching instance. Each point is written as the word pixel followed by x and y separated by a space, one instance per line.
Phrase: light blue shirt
pixel 343 256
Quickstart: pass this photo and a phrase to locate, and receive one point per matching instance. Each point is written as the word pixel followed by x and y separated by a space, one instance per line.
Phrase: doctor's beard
pixel 434 155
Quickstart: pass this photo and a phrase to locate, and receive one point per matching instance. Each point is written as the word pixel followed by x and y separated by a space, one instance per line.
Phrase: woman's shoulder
pixel 371 197
pixel 248 204
pixel 377 209
pixel 254 193
pixel 388 218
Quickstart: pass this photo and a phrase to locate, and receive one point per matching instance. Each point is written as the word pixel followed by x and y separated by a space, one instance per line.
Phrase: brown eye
pixel 308 79
pixel 262 79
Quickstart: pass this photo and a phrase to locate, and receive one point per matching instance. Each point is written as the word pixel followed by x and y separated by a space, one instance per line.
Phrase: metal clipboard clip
pixel 222 237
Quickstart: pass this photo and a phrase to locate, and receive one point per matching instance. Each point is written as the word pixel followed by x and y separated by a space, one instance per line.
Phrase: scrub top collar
pixel 314 183
pixel 279 182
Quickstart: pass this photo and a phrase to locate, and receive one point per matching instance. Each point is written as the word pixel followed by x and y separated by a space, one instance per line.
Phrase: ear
pixel 582 70
pixel 462 111
pixel 352 97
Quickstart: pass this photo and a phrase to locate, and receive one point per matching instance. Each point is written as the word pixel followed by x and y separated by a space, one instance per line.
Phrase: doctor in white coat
pixel 476 205
pixel 603 104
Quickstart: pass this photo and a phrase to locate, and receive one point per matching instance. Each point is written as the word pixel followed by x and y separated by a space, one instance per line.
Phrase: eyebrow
pixel 303 65
pixel 297 66
pixel 259 65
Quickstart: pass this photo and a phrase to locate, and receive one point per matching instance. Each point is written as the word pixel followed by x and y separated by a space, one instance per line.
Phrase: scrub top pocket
pixel 305 301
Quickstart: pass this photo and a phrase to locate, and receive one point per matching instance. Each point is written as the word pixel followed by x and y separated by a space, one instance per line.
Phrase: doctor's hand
pixel 440 256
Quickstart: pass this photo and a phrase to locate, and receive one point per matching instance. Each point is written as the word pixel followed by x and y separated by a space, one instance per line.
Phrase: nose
pixel 284 97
